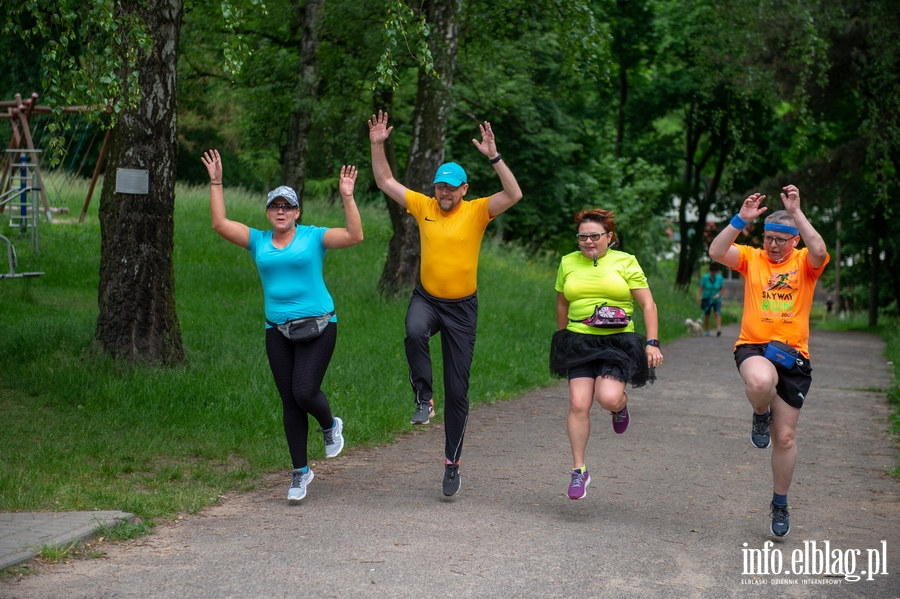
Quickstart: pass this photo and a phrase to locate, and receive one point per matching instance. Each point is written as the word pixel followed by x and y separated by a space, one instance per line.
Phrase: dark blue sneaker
pixel 759 434
pixel 781 521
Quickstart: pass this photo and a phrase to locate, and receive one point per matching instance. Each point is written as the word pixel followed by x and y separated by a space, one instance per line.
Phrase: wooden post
pixel 87 200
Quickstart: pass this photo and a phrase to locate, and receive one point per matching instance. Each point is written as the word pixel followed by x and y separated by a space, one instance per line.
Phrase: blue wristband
pixel 738 223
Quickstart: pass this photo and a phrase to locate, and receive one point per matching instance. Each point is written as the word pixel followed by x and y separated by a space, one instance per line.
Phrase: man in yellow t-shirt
pixel 779 282
pixel 445 301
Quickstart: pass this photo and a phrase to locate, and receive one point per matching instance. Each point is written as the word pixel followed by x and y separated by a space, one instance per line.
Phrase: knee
pixel 580 408
pixel 417 333
pixel 612 403
pixel 783 438
pixel 760 383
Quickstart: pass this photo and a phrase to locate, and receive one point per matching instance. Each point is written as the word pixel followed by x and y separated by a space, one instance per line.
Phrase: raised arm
pixel 814 242
pixel 502 201
pixel 722 248
pixel 235 232
pixel 336 239
pixel 384 178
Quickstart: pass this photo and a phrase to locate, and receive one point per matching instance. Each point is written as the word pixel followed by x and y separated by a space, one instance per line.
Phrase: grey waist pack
pixel 303 329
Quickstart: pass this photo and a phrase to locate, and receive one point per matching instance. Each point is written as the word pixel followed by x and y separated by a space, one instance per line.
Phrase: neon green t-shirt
pixel 587 286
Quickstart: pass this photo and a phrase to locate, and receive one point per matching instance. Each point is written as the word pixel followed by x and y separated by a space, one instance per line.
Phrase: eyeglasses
pixel 779 241
pixel 445 187
pixel 591 236
pixel 277 207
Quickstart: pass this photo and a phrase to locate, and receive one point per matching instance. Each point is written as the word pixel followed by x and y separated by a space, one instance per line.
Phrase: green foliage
pixel 403 24
pixel 89 53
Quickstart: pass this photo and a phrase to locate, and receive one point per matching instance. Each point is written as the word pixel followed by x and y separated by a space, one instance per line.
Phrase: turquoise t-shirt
pixel 587 286
pixel 292 281
pixel 711 285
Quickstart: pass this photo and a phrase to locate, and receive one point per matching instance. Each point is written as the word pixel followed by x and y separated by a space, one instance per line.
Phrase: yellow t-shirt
pixel 777 297
pixel 586 286
pixel 451 243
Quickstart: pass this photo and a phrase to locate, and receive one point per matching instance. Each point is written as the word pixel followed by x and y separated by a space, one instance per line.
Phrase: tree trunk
pixel 295 153
pixel 401 269
pixel 137 318
pixel 426 151
pixel 874 270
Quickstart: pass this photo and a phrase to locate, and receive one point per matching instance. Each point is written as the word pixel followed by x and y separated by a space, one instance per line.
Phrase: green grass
pixel 82 432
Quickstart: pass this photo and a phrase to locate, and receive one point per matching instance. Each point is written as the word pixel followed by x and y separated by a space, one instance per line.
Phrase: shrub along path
pixel 676 506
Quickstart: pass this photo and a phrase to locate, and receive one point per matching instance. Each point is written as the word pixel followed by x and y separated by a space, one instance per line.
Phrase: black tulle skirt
pixel 626 351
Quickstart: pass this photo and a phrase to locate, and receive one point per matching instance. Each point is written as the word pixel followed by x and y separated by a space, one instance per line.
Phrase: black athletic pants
pixel 298 368
pixel 456 321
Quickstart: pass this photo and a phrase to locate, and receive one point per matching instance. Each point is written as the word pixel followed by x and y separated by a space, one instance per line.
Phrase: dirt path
pixel 675 506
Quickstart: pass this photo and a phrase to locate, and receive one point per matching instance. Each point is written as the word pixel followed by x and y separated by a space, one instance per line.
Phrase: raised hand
pixel 378 128
pixel 792 199
pixel 213 163
pixel 751 208
pixel 348 180
pixel 487 145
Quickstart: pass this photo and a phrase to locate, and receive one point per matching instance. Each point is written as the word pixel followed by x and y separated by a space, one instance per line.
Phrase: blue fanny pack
pixel 782 354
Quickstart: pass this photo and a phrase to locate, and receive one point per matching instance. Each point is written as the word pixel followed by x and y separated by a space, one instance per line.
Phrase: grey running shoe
pixel 579 484
pixel 334 439
pixel 759 435
pixel 781 522
pixel 298 484
pixel 424 412
pixel 451 479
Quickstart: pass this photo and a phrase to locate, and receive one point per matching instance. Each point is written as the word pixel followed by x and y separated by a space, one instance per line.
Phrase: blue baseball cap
pixel 283 192
pixel 451 174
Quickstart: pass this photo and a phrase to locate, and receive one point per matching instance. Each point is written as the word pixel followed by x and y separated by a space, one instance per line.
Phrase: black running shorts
pixel 793 385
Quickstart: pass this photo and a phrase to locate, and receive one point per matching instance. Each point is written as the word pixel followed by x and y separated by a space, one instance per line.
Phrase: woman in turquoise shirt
pixel 289 258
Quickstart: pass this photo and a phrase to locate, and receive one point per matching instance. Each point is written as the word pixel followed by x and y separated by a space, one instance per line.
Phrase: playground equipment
pixel 22 187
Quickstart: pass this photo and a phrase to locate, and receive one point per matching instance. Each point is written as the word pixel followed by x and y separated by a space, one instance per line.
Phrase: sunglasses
pixel 279 206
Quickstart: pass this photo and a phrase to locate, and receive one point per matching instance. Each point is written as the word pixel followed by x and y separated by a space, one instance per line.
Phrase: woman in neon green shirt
pixel 596 347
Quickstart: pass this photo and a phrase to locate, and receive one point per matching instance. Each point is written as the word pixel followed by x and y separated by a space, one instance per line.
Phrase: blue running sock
pixel 303 470
pixel 779 499
pixel 766 415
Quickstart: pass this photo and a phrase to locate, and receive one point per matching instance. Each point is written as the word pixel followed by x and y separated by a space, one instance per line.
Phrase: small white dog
pixel 694 326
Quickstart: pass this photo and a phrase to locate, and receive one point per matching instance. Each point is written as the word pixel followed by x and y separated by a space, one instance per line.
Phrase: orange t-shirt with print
pixel 778 297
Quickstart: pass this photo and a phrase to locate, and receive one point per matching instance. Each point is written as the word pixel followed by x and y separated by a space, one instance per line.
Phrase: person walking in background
pixel 301 325
pixel 710 297
pixel 772 351
pixel 596 347
pixel 445 299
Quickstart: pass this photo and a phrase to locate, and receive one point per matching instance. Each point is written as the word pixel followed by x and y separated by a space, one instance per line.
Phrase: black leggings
pixel 298 368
